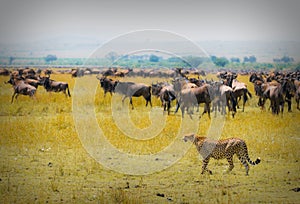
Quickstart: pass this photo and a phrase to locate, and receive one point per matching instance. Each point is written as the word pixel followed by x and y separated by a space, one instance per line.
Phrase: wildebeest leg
pixel 131 103
pixel 123 99
pixel 182 107
pixel 288 99
pixel 64 91
pixel 12 98
pixel 168 107
pixel 68 90
pixel 208 109
pixel 148 99
pixel 177 106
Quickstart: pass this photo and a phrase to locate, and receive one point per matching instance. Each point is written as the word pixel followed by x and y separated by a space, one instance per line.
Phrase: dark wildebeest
pixel 33 82
pixel 297 97
pixel 109 72
pixel 166 94
pixel 131 89
pixel 288 90
pixel 258 81
pixel 194 96
pixel 297 94
pixel 55 86
pixel 107 84
pixel 20 87
pixel 4 72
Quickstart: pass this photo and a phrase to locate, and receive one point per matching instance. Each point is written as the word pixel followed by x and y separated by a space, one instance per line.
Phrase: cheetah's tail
pixel 254 162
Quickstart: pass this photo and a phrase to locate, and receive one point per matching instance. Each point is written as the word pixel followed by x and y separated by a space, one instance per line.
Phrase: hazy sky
pixel 30 20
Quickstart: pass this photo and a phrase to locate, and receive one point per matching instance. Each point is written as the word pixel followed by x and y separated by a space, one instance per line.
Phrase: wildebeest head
pixel 156 88
pixel 288 87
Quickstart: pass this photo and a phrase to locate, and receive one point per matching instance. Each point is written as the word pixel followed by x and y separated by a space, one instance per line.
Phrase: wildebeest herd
pixel 187 88
pixel 26 81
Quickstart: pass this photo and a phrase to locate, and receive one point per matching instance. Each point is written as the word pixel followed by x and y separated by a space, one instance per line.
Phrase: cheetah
pixel 220 149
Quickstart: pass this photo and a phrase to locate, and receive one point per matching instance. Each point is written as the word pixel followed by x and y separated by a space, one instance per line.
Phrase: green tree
pixel 220 61
pixel 153 58
pixel 112 56
pixel 50 58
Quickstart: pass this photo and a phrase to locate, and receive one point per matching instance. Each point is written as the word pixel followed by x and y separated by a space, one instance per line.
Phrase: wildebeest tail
pixel 248 92
pixel 68 90
pixel 233 102
pixel 171 96
pixel 245 95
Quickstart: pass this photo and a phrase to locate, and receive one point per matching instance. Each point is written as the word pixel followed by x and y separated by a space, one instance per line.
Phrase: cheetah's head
pixel 189 137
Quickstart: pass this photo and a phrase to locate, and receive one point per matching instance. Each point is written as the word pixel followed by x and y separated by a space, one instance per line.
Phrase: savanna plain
pixel 43 160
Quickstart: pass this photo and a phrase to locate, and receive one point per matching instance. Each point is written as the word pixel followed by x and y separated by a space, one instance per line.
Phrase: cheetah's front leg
pixel 204 166
pixel 230 161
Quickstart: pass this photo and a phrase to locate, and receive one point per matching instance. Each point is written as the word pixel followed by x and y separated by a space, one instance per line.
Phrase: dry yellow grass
pixel 43 160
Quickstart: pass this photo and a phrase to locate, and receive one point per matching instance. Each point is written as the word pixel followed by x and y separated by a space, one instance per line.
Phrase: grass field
pixel 43 159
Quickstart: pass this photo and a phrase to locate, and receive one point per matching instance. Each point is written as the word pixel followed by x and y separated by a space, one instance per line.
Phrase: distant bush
pixel 284 59
pixel 250 59
pixel 50 58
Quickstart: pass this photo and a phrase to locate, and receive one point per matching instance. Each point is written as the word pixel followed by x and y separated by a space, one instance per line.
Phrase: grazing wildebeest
pixel 107 84
pixel 182 83
pixel 240 90
pixel 297 97
pixel 275 94
pixel 222 96
pixel 109 72
pixel 4 72
pixel 166 94
pixel 55 86
pixel 131 89
pixel 227 99
pixel 194 96
pixel 288 90
pixel 77 72
pixel 122 73
pixel 20 87
pixel 32 82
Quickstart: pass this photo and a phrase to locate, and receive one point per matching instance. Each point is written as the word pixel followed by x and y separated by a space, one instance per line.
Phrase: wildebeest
pixel 275 94
pixel 131 89
pixel 166 94
pixel 109 72
pixel 297 97
pixel 4 72
pixel 107 84
pixel 240 90
pixel 194 96
pixel 20 87
pixel 77 72
pixel 222 96
pixel 122 73
pixel 182 83
pixel 288 90
pixel 55 86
